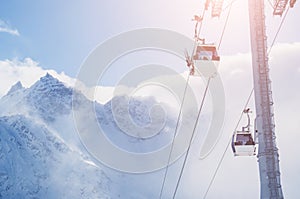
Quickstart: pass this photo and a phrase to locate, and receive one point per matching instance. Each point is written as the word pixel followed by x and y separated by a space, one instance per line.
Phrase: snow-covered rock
pixel 34 163
pixel 17 87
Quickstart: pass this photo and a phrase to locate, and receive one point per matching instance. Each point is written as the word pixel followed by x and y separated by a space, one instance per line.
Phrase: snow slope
pixel 34 163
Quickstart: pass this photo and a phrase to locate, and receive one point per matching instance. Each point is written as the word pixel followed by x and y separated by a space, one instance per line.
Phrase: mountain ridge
pixel 38 132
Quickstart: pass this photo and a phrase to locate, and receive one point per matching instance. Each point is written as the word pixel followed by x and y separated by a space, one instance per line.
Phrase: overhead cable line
pixel 228 5
pixel 228 144
pixel 173 139
pixel 191 139
pixel 196 38
pixel 278 30
pixel 225 25
pixel 271 4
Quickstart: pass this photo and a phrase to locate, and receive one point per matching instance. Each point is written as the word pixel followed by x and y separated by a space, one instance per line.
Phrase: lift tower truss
pixel 216 8
pixel 268 157
pixel 279 6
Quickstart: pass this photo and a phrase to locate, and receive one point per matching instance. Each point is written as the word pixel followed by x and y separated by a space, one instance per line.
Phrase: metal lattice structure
pixel 279 7
pixel 268 157
pixel 216 8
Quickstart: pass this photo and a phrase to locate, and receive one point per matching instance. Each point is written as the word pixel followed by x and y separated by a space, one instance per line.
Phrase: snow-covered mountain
pixel 41 155
pixel 34 163
pixel 47 98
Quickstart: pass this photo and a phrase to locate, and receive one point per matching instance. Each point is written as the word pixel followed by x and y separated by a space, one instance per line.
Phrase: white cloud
pixel 6 27
pixel 28 72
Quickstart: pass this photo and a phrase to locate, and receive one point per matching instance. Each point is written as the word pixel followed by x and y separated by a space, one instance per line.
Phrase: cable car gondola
pixel 205 60
pixel 206 52
pixel 243 143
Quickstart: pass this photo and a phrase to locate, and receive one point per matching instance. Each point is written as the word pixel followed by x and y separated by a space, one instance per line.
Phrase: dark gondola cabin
pixel 243 143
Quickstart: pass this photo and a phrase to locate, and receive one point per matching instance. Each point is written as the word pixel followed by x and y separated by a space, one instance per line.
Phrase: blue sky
pixel 60 34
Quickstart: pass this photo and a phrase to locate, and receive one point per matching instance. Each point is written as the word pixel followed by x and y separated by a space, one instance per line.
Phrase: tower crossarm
pixel 279 7
pixel 216 8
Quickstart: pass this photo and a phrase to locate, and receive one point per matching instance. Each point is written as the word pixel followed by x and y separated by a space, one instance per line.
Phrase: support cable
pixel 229 5
pixel 197 34
pixel 228 144
pixel 175 133
pixel 225 25
pixel 271 4
pixel 279 28
pixel 191 140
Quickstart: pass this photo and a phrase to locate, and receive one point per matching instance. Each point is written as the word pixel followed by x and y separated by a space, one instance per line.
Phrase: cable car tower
pixel 268 157
pixel 242 141
pixel 204 62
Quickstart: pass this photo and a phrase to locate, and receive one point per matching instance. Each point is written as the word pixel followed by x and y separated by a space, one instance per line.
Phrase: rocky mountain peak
pixel 17 86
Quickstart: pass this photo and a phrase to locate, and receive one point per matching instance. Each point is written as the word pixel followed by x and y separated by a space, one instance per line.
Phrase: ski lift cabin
pixel 206 60
pixel 243 143
pixel 206 52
